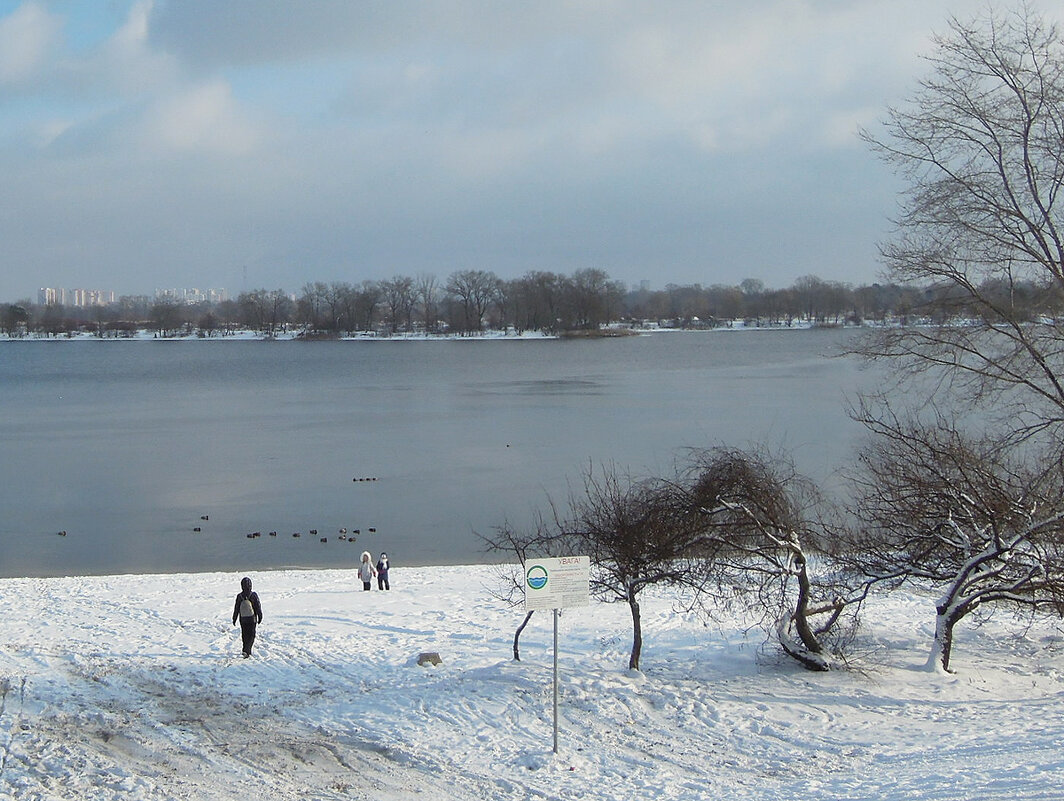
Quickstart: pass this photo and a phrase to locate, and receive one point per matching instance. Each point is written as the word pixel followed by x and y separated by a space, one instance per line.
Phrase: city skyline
pixel 81 297
pixel 269 144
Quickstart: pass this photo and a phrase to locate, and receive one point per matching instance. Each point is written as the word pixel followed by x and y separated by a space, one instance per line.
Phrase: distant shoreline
pixel 144 335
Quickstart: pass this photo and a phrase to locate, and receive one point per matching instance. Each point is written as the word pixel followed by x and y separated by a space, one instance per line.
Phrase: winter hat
pixel 245 585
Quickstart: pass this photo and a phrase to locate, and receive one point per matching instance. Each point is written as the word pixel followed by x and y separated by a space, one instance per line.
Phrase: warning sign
pixel 557 582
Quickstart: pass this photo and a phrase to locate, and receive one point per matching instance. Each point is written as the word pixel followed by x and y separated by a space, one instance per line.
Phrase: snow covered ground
pixel 131 687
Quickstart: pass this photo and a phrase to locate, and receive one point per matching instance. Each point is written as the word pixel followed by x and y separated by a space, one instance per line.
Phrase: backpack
pixel 246 609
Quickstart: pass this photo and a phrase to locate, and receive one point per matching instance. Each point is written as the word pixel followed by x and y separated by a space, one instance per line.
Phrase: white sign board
pixel 557 582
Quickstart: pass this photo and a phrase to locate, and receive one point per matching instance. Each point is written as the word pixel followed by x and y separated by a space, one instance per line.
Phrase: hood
pixel 365 556
pixel 245 585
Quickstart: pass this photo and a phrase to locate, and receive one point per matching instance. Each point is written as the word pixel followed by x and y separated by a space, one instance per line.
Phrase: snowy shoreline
pixel 130 687
pixel 489 336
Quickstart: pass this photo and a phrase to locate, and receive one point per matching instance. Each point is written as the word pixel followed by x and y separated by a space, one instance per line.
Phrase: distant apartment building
pixel 192 296
pixel 78 298
pixel 51 296
pixel 83 298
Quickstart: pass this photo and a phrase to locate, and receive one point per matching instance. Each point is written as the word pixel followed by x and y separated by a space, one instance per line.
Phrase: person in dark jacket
pixel 249 611
pixel 382 573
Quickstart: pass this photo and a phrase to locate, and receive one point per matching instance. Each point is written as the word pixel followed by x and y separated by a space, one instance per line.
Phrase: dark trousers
pixel 247 633
pixel 365 585
pixel 382 581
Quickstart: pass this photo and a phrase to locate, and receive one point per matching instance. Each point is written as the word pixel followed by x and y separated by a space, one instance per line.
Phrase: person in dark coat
pixel 382 573
pixel 249 611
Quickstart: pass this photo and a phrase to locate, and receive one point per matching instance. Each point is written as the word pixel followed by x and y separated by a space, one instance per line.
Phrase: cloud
pixel 277 31
pixel 347 140
pixel 202 118
pixel 127 62
pixel 28 36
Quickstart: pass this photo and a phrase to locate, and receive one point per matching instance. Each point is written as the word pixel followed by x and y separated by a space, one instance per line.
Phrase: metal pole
pixel 556 681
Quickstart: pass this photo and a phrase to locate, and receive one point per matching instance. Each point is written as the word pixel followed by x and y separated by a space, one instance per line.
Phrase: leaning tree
pixel 756 515
pixel 979 520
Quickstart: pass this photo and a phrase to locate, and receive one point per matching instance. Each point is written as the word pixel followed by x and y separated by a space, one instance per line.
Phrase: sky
pixel 266 144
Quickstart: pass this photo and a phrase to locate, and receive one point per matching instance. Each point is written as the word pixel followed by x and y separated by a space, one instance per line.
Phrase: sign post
pixel 557 583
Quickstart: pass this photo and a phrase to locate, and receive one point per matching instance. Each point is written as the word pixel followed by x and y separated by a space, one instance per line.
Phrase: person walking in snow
pixel 366 571
pixel 249 611
pixel 382 573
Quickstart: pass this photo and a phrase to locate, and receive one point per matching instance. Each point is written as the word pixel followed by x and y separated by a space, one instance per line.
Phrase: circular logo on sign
pixel 536 577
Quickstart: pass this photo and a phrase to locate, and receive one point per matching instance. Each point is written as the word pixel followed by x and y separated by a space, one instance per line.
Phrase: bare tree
pixel 13 319
pixel 398 295
pixel 365 300
pixel 337 299
pixel 542 540
pixel 166 318
pixel 427 295
pixel 265 310
pixel 543 299
pixel 311 306
pixel 981 148
pixel 757 524
pixel 228 312
pixel 634 533
pixel 637 537
pixel 475 291
pixel 982 521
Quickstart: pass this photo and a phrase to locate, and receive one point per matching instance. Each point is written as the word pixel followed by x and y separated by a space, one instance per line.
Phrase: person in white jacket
pixel 366 571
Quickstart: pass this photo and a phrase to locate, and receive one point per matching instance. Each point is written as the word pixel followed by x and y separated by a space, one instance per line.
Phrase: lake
pixel 128 445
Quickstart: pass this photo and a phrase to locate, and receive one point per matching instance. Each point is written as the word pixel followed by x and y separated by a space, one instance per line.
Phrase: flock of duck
pixel 342 534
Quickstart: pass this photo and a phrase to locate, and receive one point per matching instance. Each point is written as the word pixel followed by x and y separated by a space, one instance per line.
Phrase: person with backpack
pixel 249 611
pixel 366 571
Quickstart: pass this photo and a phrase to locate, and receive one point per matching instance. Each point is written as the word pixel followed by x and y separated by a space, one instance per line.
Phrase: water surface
pixel 127 445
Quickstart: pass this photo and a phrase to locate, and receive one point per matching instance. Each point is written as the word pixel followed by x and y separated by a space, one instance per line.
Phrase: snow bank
pixel 132 687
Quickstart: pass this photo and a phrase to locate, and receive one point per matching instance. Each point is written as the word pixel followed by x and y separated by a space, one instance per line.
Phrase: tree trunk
pixel 637 631
pixel 517 636
pixel 801 621
pixel 943 644
pixel 807 649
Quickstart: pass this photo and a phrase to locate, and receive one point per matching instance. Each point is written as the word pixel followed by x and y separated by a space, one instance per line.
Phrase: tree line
pixel 470 302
